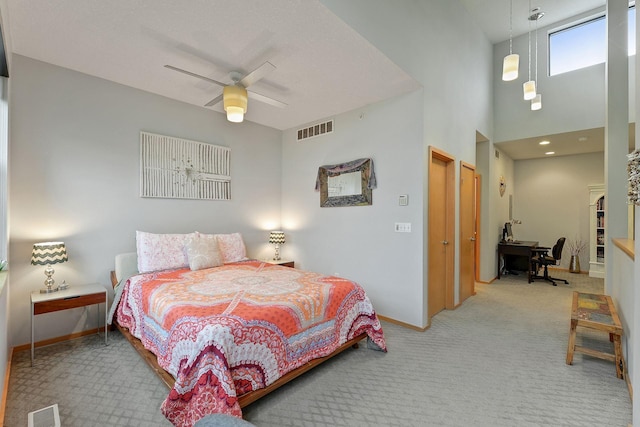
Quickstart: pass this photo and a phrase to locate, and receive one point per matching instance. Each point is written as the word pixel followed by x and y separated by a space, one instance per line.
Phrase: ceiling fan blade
pixel 189 73
pixel 257 74
pixel 214 101
pixel 265 99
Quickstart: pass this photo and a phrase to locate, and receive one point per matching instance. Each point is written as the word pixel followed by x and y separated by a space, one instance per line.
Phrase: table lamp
pixel 48 253
pixel 277 238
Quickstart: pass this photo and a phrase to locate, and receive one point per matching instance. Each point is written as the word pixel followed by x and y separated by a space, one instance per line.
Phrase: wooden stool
pixel 597 312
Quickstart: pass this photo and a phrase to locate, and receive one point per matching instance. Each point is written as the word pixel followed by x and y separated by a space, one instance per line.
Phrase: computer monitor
pixel 507 232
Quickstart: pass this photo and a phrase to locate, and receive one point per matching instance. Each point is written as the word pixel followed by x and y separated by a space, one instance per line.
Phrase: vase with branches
pixel 575 247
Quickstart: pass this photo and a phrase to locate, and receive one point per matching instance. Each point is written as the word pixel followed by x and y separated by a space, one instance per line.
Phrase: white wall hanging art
pixel 178 168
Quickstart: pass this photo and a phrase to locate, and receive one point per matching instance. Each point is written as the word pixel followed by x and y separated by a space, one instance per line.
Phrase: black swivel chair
pixel 542 259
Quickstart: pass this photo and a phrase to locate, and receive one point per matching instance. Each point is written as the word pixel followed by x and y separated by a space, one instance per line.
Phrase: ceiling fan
pixel 234 95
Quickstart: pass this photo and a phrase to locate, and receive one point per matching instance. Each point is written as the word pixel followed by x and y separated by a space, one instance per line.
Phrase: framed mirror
pixel 346 184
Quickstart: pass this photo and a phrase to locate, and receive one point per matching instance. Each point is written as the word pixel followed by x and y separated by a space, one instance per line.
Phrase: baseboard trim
pixel 56 340
pixel 5 390
pixel 404 324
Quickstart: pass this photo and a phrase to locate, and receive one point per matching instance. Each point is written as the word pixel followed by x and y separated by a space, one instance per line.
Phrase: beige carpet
pixel 498 360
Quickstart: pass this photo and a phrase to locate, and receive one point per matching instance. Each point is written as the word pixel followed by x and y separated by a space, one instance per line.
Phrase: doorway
pixel 468 233
pixel 441 244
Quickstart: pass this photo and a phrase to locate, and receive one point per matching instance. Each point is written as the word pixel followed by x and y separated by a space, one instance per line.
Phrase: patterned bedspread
pixel 225 331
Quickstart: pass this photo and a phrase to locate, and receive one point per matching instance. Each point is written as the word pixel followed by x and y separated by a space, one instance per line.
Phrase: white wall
pixel 503 166
pixel 552 200
pixel 4 190
pixel 359 243
pixel 437 44
pixel 74 176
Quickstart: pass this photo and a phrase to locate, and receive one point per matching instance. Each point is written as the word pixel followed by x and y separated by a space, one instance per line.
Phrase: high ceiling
pixel 493 15
pixel 321 63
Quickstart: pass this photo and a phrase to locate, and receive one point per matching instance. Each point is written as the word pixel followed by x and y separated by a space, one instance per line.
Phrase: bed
pixel 224 336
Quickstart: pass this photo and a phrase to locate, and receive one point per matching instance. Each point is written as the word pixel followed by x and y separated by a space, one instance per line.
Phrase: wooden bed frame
pixel 247 398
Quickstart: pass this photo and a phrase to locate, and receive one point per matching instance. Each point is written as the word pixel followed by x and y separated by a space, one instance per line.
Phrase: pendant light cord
pixel 529 42
pixel 510 27
pixel 536 35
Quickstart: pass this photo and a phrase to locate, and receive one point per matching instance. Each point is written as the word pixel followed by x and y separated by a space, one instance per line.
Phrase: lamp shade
pixel 536 103
pixel 510 67
pixel 48 253
pixel 529 89
pixel 276 237
pixel 235 103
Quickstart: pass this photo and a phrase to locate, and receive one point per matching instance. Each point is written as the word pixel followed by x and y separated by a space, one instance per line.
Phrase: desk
pixel 521 249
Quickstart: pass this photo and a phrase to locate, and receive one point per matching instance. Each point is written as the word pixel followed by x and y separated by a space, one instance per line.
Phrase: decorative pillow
pixel 161 251
pixel 203 252
pixel 232 247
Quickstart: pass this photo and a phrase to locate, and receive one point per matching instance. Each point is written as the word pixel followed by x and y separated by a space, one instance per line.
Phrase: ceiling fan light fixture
pixel 235 103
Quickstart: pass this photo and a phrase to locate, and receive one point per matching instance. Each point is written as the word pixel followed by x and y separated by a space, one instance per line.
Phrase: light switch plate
pixel 402 227
pixel 403 200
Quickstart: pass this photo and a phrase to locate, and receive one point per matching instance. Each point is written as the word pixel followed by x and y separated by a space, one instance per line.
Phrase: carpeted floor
pixel 497 360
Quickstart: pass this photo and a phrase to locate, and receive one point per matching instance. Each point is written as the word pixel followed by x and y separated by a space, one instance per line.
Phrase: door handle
pixel 473 239
pixel 444 242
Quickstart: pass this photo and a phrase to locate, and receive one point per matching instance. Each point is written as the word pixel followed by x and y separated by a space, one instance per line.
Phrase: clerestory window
pixel 584 44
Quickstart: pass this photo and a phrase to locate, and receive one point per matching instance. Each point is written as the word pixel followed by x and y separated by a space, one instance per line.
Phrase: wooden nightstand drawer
pixel 282 262
pixel 287 264
pixel 69 302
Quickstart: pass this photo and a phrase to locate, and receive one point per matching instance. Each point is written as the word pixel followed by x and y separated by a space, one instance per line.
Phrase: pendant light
pixel 529 87
pixel 536 102
pixel 512 61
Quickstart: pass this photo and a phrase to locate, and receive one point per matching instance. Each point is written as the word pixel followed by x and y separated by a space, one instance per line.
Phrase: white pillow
pixel 161 251
pixel 232 247
pixel 203 252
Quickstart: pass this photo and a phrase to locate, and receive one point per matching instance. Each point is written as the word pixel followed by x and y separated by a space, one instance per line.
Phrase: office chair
pixel 541 258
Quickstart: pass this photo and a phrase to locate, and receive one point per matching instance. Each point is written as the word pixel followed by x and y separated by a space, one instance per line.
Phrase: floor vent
pixel 315 130
pixel 45 417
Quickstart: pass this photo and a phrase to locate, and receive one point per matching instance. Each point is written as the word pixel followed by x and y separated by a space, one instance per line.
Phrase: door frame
pixel 472 168
pixel 449 160
pixel 478 179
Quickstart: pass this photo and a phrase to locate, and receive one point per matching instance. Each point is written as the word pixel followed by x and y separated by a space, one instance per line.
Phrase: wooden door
pixel 441 243
pixel 467 230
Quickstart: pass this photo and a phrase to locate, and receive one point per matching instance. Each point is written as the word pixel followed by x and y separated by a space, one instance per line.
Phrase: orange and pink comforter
pixel 225 331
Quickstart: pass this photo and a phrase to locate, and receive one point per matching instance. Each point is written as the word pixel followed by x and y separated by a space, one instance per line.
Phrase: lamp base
pixel 276 257
pixel 49 282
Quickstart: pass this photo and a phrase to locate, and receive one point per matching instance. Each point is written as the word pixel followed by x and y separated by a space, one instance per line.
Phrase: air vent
pixel 315 130
pixel 45 417
pixel 497 154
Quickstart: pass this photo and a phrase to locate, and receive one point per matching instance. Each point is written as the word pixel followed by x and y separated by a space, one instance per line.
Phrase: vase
pixel 574 264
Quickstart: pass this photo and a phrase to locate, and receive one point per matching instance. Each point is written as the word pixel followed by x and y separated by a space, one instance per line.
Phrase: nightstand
pixel 282 262
pixel 64 299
